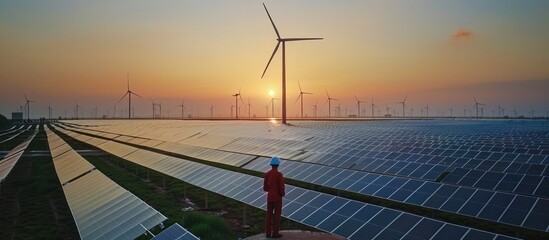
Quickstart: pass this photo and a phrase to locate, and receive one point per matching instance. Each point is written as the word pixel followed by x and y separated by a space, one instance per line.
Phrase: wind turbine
pixel 49 111
pixel 27 105
pixel 373 106
pixel 329 101
pixel 129 93
pixel 315 108
pixel 77 107
pixel 283 41
pixel 211 110
pixel 427 109
pixel 301 92
pixel 154 108
pixel 478 104
pixel 358 105
pixel 403 105
pixel 182 108
pixel 249 108
pixel 236 96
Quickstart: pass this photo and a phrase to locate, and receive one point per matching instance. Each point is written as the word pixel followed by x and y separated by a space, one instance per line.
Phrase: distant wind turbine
pixel 211 110
pixel 358 106
pixel 249 108
pixel 427 109
pixel 315 108
pixel 373 106
pixel 27 106
pixel 301 92
pixel 129 93
pixel 182 108
pixel 403 106
pixel 236 96
pixel 77 107
pixel 478 104
pixel 283 41
pixel 329 101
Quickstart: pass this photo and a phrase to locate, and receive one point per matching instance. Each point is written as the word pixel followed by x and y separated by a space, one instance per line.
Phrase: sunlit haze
pixel 438 53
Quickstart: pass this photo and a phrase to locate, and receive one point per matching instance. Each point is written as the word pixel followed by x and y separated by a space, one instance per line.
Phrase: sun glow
pixel 271 93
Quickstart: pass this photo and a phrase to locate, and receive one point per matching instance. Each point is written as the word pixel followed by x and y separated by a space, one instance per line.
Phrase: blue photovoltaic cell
pixel 497 205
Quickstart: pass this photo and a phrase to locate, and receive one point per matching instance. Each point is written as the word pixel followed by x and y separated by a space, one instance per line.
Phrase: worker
pixel 274 186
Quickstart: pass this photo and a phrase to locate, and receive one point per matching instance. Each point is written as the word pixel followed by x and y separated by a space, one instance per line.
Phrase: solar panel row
pixel 8 162
pixel 505 182
pixel 348 218
pixel 101 208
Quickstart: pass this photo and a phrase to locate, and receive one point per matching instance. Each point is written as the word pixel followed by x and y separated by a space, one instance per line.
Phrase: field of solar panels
pixel 379 179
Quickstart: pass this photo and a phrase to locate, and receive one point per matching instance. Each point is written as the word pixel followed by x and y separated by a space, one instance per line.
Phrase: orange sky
pixel 204 52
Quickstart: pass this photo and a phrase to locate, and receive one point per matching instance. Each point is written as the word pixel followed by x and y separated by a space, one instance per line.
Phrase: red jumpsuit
pixel 274 186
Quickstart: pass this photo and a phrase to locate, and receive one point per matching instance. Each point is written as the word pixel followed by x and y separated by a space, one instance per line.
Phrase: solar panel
pixel 175 232
pixel 10 159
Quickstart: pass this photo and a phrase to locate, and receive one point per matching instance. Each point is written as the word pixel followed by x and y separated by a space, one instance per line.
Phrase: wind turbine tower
pixel 403 106
pixel 358 106
pixel 283 41
pixel 236 96
pixel 329 101
pixel 373 106
pixel 27 105
pixel 301 92
pixel 182 108
pixel 478 104
pixel 129 93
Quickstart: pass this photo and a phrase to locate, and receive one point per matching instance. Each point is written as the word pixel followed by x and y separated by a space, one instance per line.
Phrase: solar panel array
pixel 175 232
pixel 522 211
pixel 347 218
pixel 8 162
pixel 101 208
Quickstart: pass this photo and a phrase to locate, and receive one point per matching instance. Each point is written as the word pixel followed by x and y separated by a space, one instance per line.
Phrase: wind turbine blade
pixel 357 99
pixel 299 39
pixel 270 59
pixel 335 99
pixel 327 93
pixel 120 98
pixel 307 93
pixel 136 94
pixel 475 100
pixel 128 79
pixel 298 96
pixel 298 84
pixel 405 99
pixel 276 30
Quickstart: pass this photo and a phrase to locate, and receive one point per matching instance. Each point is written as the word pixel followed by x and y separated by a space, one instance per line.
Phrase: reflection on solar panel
pixel 100 207
pixel 8 162
pixel 347 218
pixel 175 232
